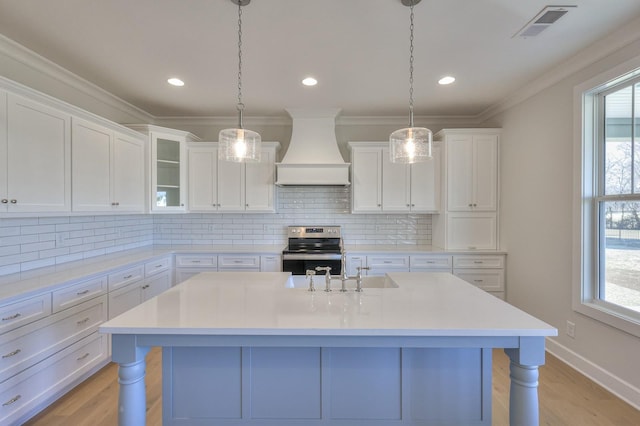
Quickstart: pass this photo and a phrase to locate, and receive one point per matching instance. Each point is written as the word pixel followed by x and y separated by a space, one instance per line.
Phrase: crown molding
pixel 593 53
pixel 31 59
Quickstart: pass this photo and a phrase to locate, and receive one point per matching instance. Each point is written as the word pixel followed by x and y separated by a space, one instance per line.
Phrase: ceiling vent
pixel 543 20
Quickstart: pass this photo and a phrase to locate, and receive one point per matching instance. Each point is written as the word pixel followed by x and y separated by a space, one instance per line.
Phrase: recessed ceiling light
pixel 175 82
pixel 309 81
pixel 447 80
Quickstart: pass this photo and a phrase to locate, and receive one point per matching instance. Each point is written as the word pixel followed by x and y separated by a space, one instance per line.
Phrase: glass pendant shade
pixel 239 145
pixel 410 145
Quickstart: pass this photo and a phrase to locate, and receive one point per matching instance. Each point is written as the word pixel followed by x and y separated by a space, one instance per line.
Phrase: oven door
pixel 299 264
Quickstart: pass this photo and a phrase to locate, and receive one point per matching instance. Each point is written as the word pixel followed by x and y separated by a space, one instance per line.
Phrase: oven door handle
pixel 318 256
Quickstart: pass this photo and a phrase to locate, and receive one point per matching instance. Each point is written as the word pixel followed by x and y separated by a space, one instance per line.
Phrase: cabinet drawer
pixel 156 266
pixel 25 311
pixel 36 341
pixel 126 277
pixel 197 261
pixel 472 261
pixel 36 384
pixel 486 279
pixel 424 262
pixel 238 262
pixel 78 293
pixel 395 262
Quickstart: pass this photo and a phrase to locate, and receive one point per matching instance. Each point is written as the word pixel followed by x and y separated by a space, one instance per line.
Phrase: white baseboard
pixel 620 388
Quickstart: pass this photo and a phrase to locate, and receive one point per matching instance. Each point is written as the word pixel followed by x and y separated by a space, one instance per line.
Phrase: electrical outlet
pixel 571 329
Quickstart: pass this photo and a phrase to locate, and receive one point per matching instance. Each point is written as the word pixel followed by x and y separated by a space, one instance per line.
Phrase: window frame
pixel 588 177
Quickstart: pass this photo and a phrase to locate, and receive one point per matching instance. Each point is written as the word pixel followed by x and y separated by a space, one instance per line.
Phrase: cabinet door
pixel 485 152
pixel 39 157
pixel 425 184
pixel 128 173
pixel 4 195
pixel 155 285
pixel 203 179
pixel 353 262
pixel 270 263
pixel 91 166
pixel 366 180
pixel 124 299
pixel 395 185
pixel 460 172
pixel 259 184
pixel 472 231
pixel 167 172
pixel 231 186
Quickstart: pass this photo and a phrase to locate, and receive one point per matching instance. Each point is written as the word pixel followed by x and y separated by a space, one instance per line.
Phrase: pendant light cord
pixel 411 67
pixel 240 105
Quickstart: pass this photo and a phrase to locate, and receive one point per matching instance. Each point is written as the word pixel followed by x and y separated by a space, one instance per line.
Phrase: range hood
pixel 313 157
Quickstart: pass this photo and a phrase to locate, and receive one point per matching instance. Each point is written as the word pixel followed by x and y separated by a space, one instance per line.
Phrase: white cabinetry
pixel 108 169
pixel 238 262
pixel 470 190
pixel 483 271
pixel 378 185
pixel 271 263
pixel 44 351
pixel 168 167
pixel 430 263
pixel 35 156
pixel 231 187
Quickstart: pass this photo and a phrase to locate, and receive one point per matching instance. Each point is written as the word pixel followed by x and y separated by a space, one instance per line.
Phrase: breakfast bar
pixel 260 349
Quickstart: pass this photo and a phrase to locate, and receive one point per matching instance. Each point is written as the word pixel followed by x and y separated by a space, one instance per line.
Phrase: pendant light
pixel 240 144
pixel 411 144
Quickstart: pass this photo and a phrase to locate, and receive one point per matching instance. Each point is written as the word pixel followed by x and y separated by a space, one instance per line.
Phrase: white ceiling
pixel 357 49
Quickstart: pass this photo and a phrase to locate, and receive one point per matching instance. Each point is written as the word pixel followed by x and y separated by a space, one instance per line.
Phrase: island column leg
pixel 523 394
pixel 132 398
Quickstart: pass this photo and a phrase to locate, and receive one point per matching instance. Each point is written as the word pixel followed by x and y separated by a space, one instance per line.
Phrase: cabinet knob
pixel 4 201
pixel 379 205
pixel 113 204
pixel 413 205
pixel 181 205
pixel 475 205
pixel 246 205
pixel 117 203
pixel 408 205
pixel 470 205
pixel 14 201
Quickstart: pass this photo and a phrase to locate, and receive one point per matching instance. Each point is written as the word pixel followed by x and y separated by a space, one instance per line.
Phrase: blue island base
pixel 275 386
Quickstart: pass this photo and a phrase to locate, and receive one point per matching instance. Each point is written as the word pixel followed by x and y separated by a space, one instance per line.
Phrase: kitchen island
pixel 259 349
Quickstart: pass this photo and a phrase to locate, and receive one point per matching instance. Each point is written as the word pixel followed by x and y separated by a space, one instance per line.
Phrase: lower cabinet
pixel 483 271
pixel 188 265
pixel 156 284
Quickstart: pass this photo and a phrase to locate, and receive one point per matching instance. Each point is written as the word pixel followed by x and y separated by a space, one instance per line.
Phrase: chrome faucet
pixel 327 276
pixel 310 274
pixel 359 277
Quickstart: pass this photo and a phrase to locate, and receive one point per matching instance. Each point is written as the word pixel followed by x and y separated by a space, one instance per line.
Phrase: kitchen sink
pixel 301 281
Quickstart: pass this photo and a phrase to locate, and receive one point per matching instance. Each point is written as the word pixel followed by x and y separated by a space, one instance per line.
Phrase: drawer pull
pixel 83 357
pixel 159 266
pixel 12 317
pixel 12 400
pixel 146 286
pixel 10 354
pixel 195 261
pixel 126 277
pixel 478 281
pixel 84 321
pixel 82 293
pixel 237 261
pixel 431 261
pixel 478 262
pixel 386 261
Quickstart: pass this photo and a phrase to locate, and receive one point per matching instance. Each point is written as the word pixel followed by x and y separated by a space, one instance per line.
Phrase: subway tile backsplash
pixel 29 243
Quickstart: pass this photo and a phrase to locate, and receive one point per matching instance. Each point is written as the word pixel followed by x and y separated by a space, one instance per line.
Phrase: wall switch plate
pixel 571 329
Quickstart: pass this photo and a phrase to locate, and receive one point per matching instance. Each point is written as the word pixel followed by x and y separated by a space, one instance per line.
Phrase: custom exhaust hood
pixel 313 157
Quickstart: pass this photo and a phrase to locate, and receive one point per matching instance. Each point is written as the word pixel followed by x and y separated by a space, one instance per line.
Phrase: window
pixel 608 280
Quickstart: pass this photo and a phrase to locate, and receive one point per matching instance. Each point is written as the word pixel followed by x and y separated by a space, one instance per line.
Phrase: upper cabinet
pixel 231 187
pixel 168 167
pixel 472 172
pixel 35 156
pixel 108 172
pixel 382 186
pixel 470 189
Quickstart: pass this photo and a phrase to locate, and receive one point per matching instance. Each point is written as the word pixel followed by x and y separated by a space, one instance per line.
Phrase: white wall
pixel 536 229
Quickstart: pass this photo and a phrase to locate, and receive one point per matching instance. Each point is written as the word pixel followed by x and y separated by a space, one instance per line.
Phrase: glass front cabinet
pixel 168 165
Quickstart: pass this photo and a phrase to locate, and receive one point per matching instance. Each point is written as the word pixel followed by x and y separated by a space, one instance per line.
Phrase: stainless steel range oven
pixel 312 246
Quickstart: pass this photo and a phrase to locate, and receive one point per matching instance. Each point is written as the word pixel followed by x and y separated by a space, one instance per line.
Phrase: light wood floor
pixel 566 398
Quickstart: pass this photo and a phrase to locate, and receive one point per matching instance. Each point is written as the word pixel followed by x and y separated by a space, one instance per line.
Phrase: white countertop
pixel 259 303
